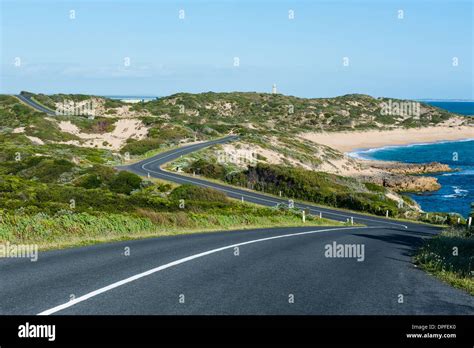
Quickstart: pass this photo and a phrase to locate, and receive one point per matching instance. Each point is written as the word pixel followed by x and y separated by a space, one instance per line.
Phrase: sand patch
pixel 124 129
pixel 35 140
pixel 19 130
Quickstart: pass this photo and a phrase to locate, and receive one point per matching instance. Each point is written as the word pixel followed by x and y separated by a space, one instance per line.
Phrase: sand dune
pixel 124 129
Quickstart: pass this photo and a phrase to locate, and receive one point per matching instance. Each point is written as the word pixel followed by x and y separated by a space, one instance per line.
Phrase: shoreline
pixel 356 152
pixel 363 141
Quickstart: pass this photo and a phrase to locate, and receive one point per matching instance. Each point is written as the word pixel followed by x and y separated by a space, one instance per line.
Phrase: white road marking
pixel 178 262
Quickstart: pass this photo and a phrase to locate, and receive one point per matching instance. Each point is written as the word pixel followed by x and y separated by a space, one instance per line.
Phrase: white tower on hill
pixel 274 89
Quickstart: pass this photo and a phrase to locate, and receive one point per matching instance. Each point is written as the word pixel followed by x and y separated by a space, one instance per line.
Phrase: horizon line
pixel 142 96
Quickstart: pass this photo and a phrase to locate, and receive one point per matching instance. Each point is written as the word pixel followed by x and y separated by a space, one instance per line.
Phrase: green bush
pixel 89 181
pixel 125 182
pixel 139 147
pixel 317 187
pixel 196 193
pixel 205 168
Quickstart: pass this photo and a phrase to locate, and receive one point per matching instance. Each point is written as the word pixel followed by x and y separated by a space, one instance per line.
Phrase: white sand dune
pixel 124 129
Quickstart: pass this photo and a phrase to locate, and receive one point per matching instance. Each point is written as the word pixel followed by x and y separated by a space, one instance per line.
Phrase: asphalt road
pixel 267 271
pixel 30 102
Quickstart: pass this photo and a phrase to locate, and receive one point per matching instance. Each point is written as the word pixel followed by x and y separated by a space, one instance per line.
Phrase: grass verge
pixel 79 229
pixel 450 257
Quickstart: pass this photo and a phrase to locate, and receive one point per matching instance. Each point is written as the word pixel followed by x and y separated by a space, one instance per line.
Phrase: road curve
pixel 264 271
pixel 30 102
pixel 152 167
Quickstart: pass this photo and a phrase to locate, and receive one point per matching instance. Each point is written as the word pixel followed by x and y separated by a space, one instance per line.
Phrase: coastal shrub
pixel 196 193
pixel 45 101
pixel 450 219
pixel 89 181
pixel 205 168
pixel 139 147
pixel 39 168
pixel 374 187
pixel 96 176
pixel 125 182
pixel 96 125
pixel 169 133
pixel 436 256
pixel 112 103
pixel 317 187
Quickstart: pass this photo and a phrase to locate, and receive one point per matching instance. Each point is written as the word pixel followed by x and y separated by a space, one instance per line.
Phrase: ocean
pixel 457 188
pixel 128 97
pixel 459 107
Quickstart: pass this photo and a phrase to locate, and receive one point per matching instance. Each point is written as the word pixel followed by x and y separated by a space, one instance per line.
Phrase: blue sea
pixel 459 107
pixel 131 97
pixel 457 188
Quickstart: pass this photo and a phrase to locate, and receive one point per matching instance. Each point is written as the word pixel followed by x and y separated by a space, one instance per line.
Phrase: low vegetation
pixel 53 193
pixel 59 195
pixel 450 257
pixel 48 216
pixel 317 187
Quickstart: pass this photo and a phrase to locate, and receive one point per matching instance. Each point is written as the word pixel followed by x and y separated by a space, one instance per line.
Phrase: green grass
pixel 44 102
pixel 450 257
pixel 52 232
pixel 36 194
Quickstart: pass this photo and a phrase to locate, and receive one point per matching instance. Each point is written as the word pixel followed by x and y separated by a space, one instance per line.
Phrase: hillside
pixel 267 112
pixel 58 190
pixel 272 127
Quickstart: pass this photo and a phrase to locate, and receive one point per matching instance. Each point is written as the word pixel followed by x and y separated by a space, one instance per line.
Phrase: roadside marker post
pixel 386 213
pixel 304 216
pixel 352 220
pixel 469 222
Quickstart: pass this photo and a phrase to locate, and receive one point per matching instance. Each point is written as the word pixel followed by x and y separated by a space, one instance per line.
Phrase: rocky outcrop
pixel 410 168
pixel 400 182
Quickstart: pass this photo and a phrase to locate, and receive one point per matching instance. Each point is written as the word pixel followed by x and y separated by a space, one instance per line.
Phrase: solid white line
pixel 178 262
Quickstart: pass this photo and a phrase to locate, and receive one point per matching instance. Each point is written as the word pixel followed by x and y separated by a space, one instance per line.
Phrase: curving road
pixel 276 271
pixel 153 165
pixel 33 104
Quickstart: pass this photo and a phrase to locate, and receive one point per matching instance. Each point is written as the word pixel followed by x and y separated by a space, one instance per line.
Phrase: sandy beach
pixel 351 141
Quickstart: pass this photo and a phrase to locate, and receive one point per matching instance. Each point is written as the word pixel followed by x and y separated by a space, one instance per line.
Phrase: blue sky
pixel 406 58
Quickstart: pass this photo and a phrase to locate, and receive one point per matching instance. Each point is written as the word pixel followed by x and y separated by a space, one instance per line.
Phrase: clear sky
pixel 44 50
